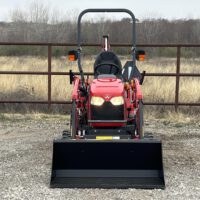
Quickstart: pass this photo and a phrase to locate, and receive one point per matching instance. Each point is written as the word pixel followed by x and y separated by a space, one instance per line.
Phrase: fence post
pixel 177 77
pixel 49 76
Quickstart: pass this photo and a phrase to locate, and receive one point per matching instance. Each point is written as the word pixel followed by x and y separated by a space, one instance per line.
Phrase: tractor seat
pixel 104 63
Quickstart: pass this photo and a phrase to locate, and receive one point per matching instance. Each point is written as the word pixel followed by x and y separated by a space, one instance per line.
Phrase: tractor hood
pixel 107 88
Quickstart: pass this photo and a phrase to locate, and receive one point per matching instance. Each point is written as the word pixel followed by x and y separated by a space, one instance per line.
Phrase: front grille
pixel 107 112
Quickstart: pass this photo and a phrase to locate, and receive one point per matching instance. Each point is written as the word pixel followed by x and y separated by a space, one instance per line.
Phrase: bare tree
pixel 18 15
pixel 38 12
pixel 42 24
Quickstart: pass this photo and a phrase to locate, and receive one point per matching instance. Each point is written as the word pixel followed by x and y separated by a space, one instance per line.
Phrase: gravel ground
pixel 26 152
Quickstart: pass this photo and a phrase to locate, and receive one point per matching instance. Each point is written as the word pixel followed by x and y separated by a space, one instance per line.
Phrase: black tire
pixel 140 121
pixel 73 120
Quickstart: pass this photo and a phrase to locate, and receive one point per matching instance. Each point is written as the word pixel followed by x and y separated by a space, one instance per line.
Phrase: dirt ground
pixel 26 153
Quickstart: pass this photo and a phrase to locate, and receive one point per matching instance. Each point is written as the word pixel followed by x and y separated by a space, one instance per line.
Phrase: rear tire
pixel 74 120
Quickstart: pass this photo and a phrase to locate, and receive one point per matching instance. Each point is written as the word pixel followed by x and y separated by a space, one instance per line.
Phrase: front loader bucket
pixel 107 164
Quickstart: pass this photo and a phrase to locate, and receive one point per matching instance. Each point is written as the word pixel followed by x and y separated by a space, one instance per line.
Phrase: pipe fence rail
pixel 49 73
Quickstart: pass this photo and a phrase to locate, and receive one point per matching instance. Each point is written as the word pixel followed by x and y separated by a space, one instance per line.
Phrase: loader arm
pixel 75 89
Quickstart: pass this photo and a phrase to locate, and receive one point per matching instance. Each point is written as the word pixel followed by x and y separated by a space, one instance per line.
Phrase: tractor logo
pixel 107 97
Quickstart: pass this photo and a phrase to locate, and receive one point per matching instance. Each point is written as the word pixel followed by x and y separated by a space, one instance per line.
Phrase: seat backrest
pixel 108 57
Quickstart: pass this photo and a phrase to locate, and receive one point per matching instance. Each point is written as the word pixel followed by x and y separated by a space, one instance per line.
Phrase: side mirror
pixel 72 55
pixel 140 55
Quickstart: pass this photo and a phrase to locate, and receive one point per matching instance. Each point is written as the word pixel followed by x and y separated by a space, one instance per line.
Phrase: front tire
pixel 140 121
pixel 74 120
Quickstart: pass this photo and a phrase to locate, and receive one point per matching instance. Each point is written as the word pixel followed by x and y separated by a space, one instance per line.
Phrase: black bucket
pixel 107 164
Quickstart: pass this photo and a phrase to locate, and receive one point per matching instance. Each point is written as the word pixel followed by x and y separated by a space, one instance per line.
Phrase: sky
pixel 168 9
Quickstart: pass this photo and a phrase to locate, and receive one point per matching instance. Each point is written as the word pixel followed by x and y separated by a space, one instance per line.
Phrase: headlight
pixel 97 101
pixel 116 101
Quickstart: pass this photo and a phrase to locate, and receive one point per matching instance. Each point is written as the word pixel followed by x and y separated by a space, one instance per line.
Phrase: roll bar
pixel 106 10
pixel 103 10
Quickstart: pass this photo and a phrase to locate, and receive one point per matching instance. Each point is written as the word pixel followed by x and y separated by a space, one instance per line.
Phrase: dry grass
pixel 34 87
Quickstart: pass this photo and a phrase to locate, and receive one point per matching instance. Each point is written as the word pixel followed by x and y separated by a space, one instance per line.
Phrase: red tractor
pixel 106 147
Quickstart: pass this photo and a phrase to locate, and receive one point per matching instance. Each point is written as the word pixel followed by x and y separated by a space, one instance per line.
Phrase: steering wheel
pixel 110 65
